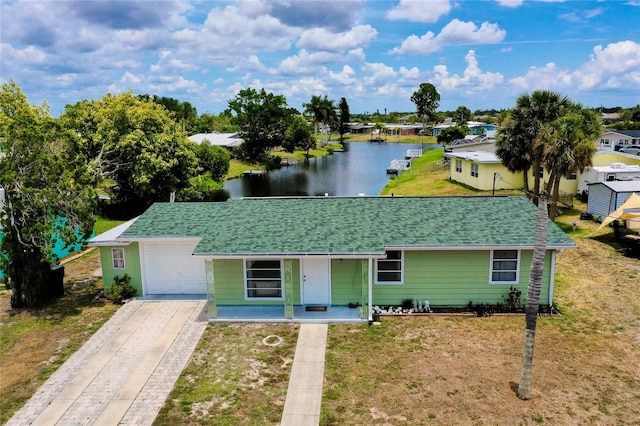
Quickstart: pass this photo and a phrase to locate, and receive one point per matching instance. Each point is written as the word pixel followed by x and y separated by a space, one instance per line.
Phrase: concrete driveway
pixel 124 373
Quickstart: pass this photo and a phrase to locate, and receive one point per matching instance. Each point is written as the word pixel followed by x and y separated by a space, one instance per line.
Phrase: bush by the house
pixel 120 289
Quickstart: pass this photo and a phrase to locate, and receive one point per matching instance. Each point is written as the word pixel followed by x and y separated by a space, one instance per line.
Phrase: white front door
pixel 316 287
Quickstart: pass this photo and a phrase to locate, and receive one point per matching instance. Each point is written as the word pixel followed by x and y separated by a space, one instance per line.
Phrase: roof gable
pixel 345 226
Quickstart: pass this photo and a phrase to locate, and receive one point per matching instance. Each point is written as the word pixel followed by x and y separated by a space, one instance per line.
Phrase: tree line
pixel 134 150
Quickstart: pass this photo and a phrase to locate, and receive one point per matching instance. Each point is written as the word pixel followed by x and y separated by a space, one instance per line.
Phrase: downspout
pixel 370 304
pixel 552 276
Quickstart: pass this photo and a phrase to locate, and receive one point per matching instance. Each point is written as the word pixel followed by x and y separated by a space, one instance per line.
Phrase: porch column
pixel 370 318
pixel 288 289
pixel 211 289
pixel 366 296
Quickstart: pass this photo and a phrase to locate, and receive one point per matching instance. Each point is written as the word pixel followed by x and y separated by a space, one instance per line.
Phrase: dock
pixel 253 172
pixel 398 166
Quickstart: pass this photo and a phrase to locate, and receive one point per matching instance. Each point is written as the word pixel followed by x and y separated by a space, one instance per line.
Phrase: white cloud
pixel 230 30
pixel 321 39
pixel 455 32
pixel 346 76
pixel 250 64
pixel 378 74
pixel 171 65
pixel 617 59
pixel 548 77
pixel 473 79
pixel 419 10
pixel 510 3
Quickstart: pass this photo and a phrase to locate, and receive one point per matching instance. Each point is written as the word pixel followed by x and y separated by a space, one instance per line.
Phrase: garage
pixel 169 267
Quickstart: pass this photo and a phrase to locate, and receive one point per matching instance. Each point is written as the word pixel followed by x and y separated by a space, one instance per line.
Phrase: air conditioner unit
pixel 618 165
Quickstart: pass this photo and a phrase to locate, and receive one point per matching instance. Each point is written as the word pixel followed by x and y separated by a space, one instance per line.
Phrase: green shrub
pixel 120 289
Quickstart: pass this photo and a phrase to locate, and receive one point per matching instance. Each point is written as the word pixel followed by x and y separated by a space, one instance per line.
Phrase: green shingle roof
pixel 342 226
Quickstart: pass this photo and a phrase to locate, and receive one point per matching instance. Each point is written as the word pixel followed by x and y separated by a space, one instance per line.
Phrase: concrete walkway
pixel 304 395
pixel 124 372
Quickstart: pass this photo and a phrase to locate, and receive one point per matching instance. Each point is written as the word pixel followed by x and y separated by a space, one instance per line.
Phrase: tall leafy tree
pixel 449 134
pixel 533 298
pixel 462 115
pixel 262 118
pixel 345 117
pixel 569 144
pixel 522 135
pixel 136 144
pixel 298 136
pixel 427 100
pixel 322 112
pixel 48 194
pixel 213 160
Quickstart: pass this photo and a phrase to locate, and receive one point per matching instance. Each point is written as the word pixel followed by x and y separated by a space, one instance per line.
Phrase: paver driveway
pixel 124 372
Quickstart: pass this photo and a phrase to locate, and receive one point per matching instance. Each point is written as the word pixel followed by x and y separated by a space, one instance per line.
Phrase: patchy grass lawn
pixel 34 343
pixel 427 370
pixel 462 370
pixel 238 374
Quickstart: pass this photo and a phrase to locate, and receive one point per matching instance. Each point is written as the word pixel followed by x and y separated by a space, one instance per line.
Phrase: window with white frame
pixel 505 266
pixel 390 270
pixel 117 256
pixel 572 176
pixel 458 166
pixel 474 170
pixel 263 279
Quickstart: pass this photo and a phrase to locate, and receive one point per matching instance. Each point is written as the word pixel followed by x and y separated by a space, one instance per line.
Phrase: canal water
pixel 360 169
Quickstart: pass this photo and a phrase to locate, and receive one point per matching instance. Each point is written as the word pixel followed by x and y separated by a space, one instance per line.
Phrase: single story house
pixel 612 139
pixel 475 127
pixel 332 251
pixel 607 197
pixel 227 140
pixel 483 170
pixel 472 143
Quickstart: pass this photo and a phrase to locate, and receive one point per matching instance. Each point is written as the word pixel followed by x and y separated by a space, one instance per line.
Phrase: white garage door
pixel 172 269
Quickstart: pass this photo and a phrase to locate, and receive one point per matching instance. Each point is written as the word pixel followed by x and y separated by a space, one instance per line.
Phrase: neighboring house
pixel 471 143
pixel 476 127
pixel 480 169
pixel 608 157
pixel 360 129
pixel 607 197
pixel 227 140
pixel 616 139
pixel 333 251
pixel 484 171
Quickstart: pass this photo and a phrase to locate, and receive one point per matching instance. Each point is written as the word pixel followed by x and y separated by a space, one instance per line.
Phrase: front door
pixel 316 287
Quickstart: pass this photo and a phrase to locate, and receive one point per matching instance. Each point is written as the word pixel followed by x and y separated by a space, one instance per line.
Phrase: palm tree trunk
pixel 525 181
pixel 536 180
pixel 533 298
pixel 555 197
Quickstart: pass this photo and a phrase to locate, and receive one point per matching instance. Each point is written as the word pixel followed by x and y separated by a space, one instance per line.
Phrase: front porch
pixel 333 314
pixel 265 313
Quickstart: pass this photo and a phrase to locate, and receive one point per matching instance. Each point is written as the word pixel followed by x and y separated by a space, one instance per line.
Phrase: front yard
pixel 408 370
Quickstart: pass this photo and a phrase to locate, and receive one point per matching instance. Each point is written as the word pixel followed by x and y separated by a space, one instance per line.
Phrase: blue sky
pixel 481 53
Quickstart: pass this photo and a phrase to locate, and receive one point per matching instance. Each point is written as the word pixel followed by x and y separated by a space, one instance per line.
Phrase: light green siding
pixel 229 284
pixel 346 281
pixel 454 278
pixel 131 263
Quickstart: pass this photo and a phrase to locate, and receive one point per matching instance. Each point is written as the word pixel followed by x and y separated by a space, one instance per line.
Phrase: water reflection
pixel 360 169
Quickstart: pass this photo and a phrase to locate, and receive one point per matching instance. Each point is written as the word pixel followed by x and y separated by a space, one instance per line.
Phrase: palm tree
pixel 512 147
pixel 529 115
pixel 533 297
pixel 321 111
pixel 569 145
